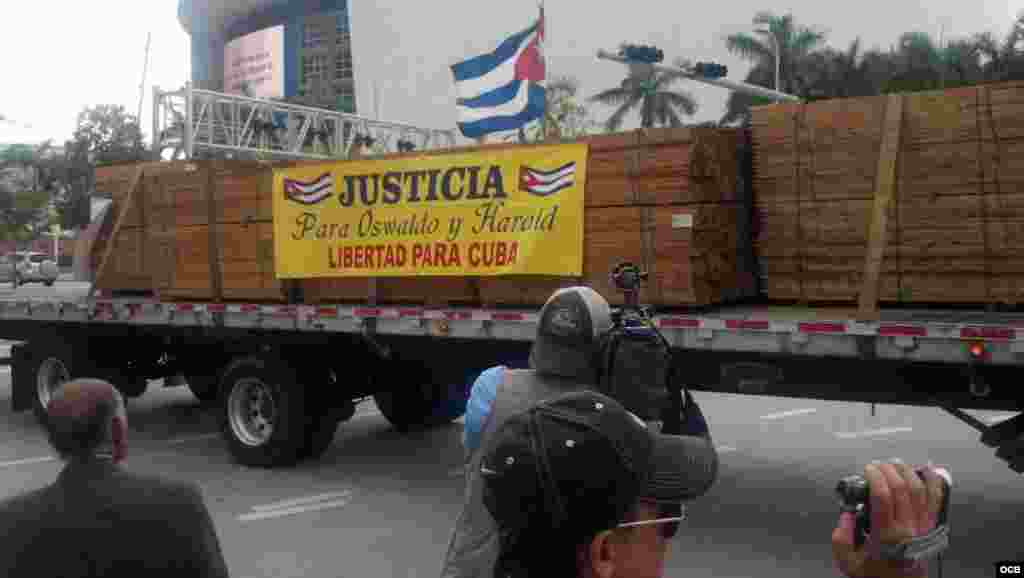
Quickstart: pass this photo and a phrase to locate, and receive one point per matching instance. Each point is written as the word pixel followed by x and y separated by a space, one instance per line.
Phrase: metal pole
pixel 778 63
pixel 544 55
pixel 187 134
pixel 145 69
pixel 741 87
pixel 157 148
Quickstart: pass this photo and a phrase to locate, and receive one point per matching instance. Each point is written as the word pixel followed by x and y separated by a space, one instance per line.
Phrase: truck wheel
pixel 49 368
pixel 48 283
pixel 320 430
pixel 263 412
pixel 204 387
pixel 423 402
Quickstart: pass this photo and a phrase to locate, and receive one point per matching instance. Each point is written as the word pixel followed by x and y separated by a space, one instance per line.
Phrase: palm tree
pixel 651 93
pixel 772 34
pixel 1004 58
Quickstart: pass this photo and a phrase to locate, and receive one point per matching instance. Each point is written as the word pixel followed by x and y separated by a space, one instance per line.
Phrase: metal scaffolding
pixel 194 123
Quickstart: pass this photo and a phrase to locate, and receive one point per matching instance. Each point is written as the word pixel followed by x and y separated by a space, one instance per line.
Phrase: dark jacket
pixel 98 520
pixel 473 547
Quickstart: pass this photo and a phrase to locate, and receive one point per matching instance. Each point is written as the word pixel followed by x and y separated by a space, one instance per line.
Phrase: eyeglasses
pixel 669 523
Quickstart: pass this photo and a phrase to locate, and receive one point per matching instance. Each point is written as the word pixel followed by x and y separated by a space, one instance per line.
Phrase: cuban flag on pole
pixel 502 90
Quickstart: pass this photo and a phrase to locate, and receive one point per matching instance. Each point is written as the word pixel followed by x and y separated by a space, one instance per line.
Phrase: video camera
pixel 855 498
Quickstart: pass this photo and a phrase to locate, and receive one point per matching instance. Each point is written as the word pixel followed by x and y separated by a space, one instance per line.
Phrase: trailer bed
pixel 911 335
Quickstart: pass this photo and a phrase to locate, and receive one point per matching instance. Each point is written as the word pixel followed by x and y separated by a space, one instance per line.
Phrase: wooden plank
pixel 887 170
pixel 213 234
pixel 121 217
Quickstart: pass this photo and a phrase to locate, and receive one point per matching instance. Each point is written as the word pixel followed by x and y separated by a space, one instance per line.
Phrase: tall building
pixel 299 51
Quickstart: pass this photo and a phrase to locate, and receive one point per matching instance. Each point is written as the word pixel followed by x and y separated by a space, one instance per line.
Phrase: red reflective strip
pixel 822 328
pixel 902 331
pixel 987 333
pixel 501 316
pixel 327 311
pixel 217 307
pixel 679 322
pixel 410 312
pixel 457 315
pixel 747 324
pixel 364 312
pixel 185 307
pixel 248 307
pixel 283 311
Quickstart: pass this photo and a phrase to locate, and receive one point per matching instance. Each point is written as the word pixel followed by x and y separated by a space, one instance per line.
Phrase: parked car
pixel 29 267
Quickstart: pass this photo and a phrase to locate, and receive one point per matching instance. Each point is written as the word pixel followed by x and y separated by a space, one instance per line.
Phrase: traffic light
pixel 647 54
pixel 710 70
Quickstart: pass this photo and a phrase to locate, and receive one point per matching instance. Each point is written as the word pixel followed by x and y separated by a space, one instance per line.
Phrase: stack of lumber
pixel 190 230
pixel 665 199
pixel 913 198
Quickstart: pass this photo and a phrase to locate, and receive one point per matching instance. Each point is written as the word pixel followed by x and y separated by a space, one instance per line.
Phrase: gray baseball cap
pixel 572 323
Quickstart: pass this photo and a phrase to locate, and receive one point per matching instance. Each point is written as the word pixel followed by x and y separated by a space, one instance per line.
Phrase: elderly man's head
pixel 85 416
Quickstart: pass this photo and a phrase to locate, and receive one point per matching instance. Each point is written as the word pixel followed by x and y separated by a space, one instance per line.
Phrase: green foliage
pixel 107 133
pixel 651 93
pixel 916 62
pixel 26 191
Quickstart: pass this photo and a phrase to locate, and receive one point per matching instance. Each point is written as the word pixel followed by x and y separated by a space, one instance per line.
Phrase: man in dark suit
pixel 97 519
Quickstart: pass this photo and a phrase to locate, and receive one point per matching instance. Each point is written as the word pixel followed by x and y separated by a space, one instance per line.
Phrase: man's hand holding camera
pixel 902 507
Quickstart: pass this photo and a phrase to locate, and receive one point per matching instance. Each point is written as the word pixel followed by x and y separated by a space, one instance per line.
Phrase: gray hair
pixel 81 434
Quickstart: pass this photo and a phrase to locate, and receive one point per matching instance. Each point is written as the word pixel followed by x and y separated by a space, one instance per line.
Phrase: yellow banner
pixel 486 213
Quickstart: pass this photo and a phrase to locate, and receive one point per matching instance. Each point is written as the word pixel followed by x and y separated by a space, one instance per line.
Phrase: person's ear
pixel 601 555
pixel 118 438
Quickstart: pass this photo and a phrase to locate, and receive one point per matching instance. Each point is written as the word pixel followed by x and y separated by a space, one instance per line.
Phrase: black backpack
pixel 636 368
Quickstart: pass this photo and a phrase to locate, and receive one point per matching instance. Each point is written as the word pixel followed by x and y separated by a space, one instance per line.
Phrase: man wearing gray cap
pixel 580 487
pixel 97 519
pixel 565 357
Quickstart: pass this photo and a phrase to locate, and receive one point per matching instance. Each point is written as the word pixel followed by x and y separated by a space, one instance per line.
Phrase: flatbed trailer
pixel 285 376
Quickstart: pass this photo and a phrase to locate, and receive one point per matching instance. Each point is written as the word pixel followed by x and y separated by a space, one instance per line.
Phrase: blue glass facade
pixel 208 43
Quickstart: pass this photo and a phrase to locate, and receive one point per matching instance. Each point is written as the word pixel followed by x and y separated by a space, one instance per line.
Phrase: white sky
pixel 92 51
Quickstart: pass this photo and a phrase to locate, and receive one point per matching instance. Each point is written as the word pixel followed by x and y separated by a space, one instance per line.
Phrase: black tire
pixel 204 387
pixel 422 402
pixel 48 283
pixel 47 367
pixel 250 443
pixel 318 437
pixel 321 427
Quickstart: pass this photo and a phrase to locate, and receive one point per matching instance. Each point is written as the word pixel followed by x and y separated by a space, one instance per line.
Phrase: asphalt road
pixel 381 504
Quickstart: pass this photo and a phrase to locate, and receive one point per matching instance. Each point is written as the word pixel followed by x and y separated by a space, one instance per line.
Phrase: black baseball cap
pixel 572 323
pixel 581 461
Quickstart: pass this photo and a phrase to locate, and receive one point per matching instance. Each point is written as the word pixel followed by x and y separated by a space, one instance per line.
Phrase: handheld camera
pixel 854 497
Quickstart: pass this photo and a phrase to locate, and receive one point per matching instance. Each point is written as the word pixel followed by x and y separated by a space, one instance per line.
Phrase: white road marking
pixel 280 512
pixel 790 413
pixel 999 418
pixel 724 449
pixel 27 461
pixel 370 413
pixel 872 432
pixel 301 501
pixel 195 438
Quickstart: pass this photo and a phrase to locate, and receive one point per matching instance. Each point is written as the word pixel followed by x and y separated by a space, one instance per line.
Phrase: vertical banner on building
pixel 254 64
pixel 484 213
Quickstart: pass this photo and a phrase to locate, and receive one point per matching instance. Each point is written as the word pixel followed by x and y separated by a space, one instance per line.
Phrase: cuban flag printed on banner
pixel 502 90
pixel 546 183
